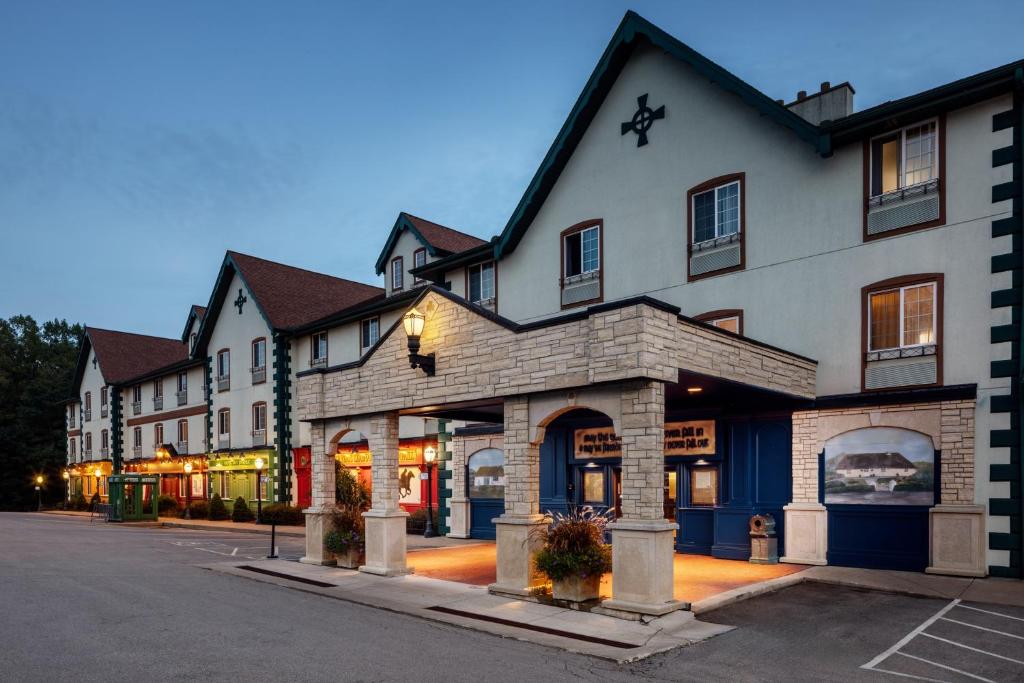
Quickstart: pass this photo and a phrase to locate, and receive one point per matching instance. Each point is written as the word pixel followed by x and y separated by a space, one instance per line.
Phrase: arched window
pixel 485 474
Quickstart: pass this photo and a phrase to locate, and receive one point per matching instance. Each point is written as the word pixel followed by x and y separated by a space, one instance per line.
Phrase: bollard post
pixel 273 541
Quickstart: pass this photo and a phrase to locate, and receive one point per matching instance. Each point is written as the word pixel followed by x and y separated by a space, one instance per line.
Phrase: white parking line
pixel 910 636
pixel 947 668
pixel 988 611
pixel 975 649
pixel 983 628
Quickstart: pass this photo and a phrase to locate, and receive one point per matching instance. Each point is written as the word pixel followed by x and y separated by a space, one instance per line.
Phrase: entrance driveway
pixel 696 576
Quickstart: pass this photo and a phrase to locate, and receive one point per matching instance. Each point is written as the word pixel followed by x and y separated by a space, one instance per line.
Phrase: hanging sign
pixel 696 437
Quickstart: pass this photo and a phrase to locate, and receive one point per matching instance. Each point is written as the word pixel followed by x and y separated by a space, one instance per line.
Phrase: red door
pixel 303 477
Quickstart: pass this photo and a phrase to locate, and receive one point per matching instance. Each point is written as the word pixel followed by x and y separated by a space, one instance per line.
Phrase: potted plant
pixel 346 539
pixel 575 555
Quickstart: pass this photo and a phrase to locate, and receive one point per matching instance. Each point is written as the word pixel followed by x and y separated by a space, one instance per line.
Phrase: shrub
pixel 78 502
pixel 217 510
pixel 198 510
pixel 574 546
pixel 241 512
pixel 416 522
pixel 95 500
pixel 283 514
pixel 348 530
pixel 167 505
pixel 349 490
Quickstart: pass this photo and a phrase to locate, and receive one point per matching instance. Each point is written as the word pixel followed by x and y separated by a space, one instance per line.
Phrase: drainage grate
pixel 311 582
pixel 531 627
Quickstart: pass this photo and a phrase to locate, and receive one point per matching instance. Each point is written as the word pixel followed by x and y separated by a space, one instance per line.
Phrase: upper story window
pixel 259 424
pixel 397 273
pixel 582 259
pixel 181 392
pixel 730 320
pixel 183 434
pixel 259 360
pixel 71 416
pixel 88 444
pixel 903 170
pixel 158 394
pixel 136 399
pixel 318 349
pixel 103 401
pixel 192 342
pixel 158 434
pixel 716 226
pixel 88 406
pixel 419 258
pixel 369 334
pixel 903 332
pixel 481 284
pixel 224 428
pixel 223 370
pixel 104 441
pixel 72 447
pixel 137 440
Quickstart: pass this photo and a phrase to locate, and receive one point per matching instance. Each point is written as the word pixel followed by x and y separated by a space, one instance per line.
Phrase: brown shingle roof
pixel 124 355
pixel 292 296
pixel 200 311
pixel 444 238
pixel 867 461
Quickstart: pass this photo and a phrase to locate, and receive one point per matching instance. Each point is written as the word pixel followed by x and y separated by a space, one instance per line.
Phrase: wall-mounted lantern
pixel 413 322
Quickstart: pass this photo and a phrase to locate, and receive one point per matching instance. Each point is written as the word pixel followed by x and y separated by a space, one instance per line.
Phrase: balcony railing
pixel 88 414
pixel 259 374
pixel 87 453
pixel 182 397
pixel 104 452
pixel 136 407
pixel 224 441
pixel 158 403
pixel 224 383
pixel 181 447
pixel 259 437
pixel 318 362
pixel 137 451
pixel 103 411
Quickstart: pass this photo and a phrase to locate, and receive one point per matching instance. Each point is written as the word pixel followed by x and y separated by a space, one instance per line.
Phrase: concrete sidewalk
pixel 473 607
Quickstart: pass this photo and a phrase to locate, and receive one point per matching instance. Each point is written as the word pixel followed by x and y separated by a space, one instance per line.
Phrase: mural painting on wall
pixel 880 466
pixel 409 485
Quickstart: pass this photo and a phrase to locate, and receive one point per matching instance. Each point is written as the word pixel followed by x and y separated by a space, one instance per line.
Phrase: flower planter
pixel 576 589
pixel 350 559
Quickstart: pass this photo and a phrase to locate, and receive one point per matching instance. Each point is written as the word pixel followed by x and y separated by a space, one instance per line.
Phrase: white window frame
pixel 225 353
pixel 902 290
pixel 256 343
pixel 137 393
pixel 158 434
pixel 182 381
pixel 480 274
pixel 192 342
pixel 739 212
pixel 137 437
pixel 415 264
pixel 315 356
pixel 901 173
pixel 565 250
pixel 260 409
pixel 224 418
pixel 158 388
pixel 362 324
pixel 180 424
pixel 716 321
pixel 397 273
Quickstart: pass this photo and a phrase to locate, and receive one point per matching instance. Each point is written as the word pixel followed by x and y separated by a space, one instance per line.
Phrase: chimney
pixel 830 103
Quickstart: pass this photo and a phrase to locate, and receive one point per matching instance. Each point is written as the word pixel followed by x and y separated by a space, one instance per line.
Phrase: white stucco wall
pixel 150 416
pixel 405 246
pixel 92 381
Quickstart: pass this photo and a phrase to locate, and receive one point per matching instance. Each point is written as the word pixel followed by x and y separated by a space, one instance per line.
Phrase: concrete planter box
pixel 351 559
pixel 575 589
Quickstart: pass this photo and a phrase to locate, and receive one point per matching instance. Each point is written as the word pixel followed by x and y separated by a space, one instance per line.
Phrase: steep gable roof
pixel 195 312
pixel 122 356
pixel 287 297
pixel 437 239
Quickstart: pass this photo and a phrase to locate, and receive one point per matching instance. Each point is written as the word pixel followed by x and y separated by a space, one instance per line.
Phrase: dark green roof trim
pixel 213 307
pixel 907 110
pixel 188 324
pixel 633 31
pixel 435 270
pixel 359 311
pixel 160 372
pixel 403 223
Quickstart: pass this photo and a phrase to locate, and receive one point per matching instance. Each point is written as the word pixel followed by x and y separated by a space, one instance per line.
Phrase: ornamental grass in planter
pixel 346 539
pixel 575 556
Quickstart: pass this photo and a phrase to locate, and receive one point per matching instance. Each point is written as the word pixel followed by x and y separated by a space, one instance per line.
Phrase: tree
pixel 37 366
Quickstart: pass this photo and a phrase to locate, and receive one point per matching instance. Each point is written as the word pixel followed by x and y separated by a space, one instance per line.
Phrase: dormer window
pixel 318 350
pixel 192 342
pixel 397 272
pixel 581 264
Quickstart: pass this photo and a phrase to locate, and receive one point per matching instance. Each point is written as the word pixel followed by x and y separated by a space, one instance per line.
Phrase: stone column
pixel 956 526
pixel 806 518
pixel 385 520
pixel 518 531
pixel 643 557
pixel 318 514
pixel 458 504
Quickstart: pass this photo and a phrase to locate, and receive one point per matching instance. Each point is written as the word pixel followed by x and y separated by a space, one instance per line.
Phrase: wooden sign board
pixel 696 437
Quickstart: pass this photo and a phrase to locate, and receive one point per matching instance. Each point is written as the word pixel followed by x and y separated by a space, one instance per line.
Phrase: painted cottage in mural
pixel 890 464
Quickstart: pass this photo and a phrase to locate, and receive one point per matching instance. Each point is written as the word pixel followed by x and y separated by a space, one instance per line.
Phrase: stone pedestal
pixel 318 522
pixel 519 538
pixel 957 540
pixel 385 542
pixel 458 517
pixel 643 563
pixel 806 533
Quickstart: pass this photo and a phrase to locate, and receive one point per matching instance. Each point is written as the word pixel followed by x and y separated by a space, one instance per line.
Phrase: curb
pixel 202 527
pixel 746 592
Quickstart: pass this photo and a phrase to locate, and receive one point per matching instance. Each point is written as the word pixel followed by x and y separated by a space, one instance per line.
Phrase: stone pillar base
pixel 519 539
pixel 643 565
pixel 957 540
pixel 458 518
pixel 385 542
pixel 318 523
pixel 806 533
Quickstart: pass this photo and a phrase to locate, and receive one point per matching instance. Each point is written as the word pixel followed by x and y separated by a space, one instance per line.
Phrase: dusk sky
pixel 140 140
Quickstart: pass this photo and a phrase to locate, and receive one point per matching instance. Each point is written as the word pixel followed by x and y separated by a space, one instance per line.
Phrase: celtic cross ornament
pixel 240 301
pixel 642 120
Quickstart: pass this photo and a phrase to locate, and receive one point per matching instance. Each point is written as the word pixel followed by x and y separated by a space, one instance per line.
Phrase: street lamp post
pixel 188 490
pixel 67 486
pixel 39 493
pixel 259 498
pixel 429 453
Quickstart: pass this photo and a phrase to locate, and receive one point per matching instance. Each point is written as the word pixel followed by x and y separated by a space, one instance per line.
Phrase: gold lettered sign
pixel 690 438
pixel 406 456
pixel 696 437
